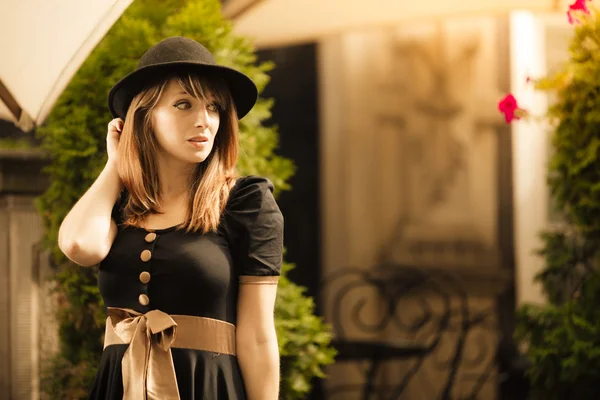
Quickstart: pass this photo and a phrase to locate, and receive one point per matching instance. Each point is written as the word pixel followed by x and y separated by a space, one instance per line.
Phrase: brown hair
pixel 212 179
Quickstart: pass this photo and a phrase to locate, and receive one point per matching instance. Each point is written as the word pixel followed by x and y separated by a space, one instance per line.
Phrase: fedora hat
pixel 179 54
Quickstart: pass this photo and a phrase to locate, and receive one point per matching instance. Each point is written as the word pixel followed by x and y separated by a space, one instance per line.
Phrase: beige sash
pixel 148 371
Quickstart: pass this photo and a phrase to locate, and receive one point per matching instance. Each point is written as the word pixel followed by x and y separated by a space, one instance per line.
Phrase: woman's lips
pixel 198 143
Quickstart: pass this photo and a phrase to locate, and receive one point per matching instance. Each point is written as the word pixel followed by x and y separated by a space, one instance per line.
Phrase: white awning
pixel 42 44
pixel 285 22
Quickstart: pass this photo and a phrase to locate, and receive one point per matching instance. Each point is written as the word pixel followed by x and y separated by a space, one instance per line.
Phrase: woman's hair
pixel 212 179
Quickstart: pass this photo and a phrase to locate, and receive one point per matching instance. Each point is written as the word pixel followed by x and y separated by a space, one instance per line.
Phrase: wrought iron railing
pixel 373 304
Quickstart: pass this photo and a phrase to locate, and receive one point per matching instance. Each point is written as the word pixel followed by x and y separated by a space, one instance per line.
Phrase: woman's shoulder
pixel 251 199
pixel 249 189
pixel 255 227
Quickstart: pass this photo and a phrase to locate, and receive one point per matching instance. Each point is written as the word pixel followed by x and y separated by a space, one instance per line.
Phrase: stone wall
pixel 413 157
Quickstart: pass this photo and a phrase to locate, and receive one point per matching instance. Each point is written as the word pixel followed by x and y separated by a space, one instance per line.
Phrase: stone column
pixel 21 181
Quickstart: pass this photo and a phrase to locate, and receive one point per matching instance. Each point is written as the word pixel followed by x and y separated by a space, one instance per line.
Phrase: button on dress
pixel 192 274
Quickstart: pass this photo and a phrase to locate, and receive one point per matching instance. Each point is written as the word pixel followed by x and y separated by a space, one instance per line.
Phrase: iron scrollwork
pixel 373 303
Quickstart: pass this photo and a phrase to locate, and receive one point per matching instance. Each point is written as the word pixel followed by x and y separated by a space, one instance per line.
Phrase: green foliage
pixel 564 349
pixel 562 338
pixel 563 343
pixel 567 256
pixel 75 135
pixel 574 177
pixel 303 340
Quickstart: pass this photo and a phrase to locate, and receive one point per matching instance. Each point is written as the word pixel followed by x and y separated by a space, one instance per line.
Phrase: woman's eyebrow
pixel 209 97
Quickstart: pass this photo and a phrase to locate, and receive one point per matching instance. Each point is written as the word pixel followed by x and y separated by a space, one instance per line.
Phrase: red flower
pixel 508 106
pixel 579 5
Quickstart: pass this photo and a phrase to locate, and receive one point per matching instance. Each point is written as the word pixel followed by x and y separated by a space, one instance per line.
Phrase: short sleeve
pixel 256 230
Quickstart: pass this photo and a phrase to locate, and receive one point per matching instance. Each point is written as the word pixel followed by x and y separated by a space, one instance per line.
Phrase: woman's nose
pixel 202 118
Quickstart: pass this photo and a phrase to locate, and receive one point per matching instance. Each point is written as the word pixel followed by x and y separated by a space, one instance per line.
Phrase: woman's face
pixel 184 126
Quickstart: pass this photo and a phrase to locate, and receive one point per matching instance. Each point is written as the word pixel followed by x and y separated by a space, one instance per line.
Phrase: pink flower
pixel 578 6
pixel 509 107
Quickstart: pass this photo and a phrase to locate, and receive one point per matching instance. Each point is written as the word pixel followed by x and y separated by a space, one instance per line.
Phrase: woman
pixel 189 255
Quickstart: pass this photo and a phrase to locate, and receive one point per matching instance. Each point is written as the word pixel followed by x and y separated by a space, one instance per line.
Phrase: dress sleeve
pixel 256 229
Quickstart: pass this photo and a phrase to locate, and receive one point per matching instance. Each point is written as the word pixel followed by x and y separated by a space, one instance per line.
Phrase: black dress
pixel 192 274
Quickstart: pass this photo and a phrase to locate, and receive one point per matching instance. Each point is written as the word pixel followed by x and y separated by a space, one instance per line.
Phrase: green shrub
pixel 562 338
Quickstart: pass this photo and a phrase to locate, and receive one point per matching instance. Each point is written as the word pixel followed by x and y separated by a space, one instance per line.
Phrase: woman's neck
pixel 175 180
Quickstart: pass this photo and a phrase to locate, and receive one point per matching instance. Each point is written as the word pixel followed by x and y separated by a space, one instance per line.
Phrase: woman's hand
pixel 112 138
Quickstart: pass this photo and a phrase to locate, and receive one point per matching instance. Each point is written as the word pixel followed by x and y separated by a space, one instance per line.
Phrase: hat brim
pixel 243 91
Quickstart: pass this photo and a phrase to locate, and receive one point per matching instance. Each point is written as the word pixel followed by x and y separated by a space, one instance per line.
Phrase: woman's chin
pixel 198 158
pixel 187 157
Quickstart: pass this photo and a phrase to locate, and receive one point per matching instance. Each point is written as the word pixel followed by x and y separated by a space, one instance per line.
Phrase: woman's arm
pixel 256 341
pixel 88 231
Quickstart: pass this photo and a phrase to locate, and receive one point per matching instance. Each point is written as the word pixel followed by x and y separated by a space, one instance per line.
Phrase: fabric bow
pixel 148 370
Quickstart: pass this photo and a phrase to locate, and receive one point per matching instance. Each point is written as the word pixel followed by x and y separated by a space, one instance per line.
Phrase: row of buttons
pixel 145 256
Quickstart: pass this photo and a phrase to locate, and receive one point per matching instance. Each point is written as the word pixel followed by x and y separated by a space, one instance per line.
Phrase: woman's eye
pixel 183 105
pixel 213 107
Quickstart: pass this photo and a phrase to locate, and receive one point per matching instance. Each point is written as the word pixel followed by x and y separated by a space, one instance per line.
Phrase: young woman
pixel 189 253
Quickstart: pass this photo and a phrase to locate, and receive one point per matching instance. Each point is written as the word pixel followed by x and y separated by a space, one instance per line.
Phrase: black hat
pixel 179 54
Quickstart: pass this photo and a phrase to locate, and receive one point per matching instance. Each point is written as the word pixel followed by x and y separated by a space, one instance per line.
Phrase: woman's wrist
pixel 112 170
pixel 111 163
